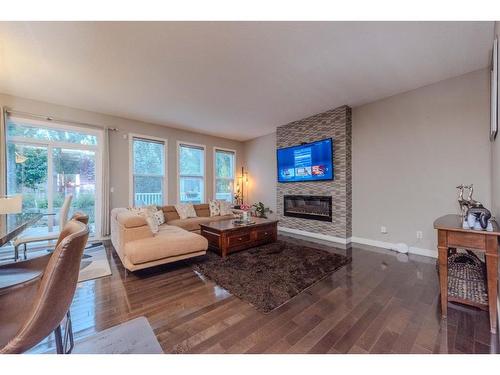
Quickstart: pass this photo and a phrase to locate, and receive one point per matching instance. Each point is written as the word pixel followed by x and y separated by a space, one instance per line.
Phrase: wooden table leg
pixel 492 275
pixel 443 279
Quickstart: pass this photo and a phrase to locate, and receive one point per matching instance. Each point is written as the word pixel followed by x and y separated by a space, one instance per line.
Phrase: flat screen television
pixel 306 162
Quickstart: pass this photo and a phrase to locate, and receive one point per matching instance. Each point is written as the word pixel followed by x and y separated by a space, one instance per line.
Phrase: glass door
pixel 74 172
pixel 46 162
pixel 27 172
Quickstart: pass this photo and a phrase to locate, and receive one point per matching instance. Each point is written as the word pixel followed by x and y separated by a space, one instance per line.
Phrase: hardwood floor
pixel 377 304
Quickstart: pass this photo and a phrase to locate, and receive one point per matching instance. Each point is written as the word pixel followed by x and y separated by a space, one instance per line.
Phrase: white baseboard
pixel 319 236
pixel 358 240
pixel 392 246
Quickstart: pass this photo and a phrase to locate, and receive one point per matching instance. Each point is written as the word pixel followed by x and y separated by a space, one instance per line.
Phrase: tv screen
pixel 307 162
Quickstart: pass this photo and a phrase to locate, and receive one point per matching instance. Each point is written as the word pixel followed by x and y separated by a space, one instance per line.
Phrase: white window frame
pixel 131 137
pixel 60 125
pixel 182 143
pixel 215 173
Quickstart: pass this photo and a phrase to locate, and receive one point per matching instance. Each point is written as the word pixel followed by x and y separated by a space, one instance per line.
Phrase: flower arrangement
pixel 245 207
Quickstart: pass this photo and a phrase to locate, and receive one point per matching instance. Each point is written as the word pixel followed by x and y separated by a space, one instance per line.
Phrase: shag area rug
pixel 270 275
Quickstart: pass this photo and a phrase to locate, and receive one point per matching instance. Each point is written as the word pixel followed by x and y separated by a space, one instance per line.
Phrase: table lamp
pixel 12 204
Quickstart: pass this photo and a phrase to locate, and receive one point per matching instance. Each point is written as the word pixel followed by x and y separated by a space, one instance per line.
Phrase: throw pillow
pixel 185 210
pixel 159 217
pixel 214 208
pixel 225 208
pixel 153 225
pixel 139 210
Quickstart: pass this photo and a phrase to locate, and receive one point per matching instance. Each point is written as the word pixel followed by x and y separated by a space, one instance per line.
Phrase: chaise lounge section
pixel 177 239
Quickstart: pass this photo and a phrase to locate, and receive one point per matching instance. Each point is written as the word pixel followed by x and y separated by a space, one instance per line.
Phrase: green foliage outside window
pixel 33 171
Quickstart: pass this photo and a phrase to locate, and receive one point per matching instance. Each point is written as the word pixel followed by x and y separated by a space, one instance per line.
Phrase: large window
pixel 191 159
pixel 47 161
pixel 224 166
pixel 148 171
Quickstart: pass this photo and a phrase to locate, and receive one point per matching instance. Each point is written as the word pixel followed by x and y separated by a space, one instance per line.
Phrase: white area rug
pixel 94 263
pixel 133 337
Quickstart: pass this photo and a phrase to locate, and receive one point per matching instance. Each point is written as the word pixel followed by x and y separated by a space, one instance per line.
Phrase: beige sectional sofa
pixel 177 239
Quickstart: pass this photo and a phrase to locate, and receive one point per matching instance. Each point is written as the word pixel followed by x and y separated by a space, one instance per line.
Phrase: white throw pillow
pixel 225 208
pixel 153 225
pixel 159 217
pixel 139 210
pixel 214 208
pixel 185 210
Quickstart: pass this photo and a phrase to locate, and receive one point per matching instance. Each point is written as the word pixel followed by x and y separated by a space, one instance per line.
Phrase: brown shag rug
pixel 270 275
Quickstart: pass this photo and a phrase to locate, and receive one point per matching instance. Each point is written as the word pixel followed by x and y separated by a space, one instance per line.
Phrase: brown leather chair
pixel 30 312
pixel 78 216
pixel 81 217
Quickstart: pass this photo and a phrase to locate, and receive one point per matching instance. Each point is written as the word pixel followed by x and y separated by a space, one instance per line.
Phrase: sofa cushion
pixel 185 210
pixel 193 224
pixel 130 220
pixel 170 241
pixel 202 210
pixel 170 213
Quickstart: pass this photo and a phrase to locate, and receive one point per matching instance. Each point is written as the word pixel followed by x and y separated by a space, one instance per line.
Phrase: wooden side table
pixel 452 235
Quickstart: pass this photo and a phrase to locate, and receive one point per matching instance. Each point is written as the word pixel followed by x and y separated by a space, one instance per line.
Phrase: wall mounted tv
pixel 306 162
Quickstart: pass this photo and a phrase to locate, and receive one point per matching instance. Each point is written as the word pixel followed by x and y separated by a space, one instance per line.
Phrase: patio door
pixel 46 162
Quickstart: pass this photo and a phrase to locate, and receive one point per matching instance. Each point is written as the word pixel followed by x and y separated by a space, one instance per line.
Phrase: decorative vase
pixel 244 216
pixel 471 220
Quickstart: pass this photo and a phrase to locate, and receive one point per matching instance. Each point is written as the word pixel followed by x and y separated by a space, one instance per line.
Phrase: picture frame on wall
pixel 494 91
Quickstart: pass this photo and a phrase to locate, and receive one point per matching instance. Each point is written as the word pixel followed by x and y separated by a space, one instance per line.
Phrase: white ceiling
pixel 238 80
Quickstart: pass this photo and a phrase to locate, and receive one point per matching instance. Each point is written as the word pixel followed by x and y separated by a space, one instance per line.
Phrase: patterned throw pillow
pixel 214 208
pixel 185 210
pixel 153 225
pixel 139 210
pixel 159 217
pixel 225 208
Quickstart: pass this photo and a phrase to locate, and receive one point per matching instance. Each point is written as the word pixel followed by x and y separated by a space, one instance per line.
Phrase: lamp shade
pixel 11 204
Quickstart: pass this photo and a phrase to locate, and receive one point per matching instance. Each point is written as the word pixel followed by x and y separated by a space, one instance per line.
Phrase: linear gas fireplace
pixel 308 207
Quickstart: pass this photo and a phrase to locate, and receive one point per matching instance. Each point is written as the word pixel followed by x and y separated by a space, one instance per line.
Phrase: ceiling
pixel 238 80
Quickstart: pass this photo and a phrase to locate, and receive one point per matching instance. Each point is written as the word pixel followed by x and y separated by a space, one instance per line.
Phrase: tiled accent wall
pixel 336 124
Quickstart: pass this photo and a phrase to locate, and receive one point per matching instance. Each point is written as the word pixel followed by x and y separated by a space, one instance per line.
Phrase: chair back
pixel 56 290
pixel 63 212
pixel 78 216
pixel 81 217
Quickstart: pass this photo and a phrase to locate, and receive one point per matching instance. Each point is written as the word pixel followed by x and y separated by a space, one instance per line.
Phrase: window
pixel 191 159
pixel 148 171
pixel 224 161
pixel 47 161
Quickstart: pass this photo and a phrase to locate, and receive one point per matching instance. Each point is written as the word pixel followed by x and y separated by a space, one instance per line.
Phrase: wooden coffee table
pixel 226 237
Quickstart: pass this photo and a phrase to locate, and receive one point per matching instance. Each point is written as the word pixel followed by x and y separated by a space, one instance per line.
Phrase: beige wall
pixel 119 147
pixel 495 167
pixel 260 158
pixel 409 152
pixel 495 162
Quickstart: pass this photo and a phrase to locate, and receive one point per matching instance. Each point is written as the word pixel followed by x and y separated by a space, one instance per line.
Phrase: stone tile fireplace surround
pixel 336 124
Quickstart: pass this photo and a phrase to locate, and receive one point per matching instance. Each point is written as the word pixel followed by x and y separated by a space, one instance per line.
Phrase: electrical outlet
pixel 420 235
pixel 383 230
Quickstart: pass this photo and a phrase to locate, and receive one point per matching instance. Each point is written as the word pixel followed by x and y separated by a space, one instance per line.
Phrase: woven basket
pixel 467 278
